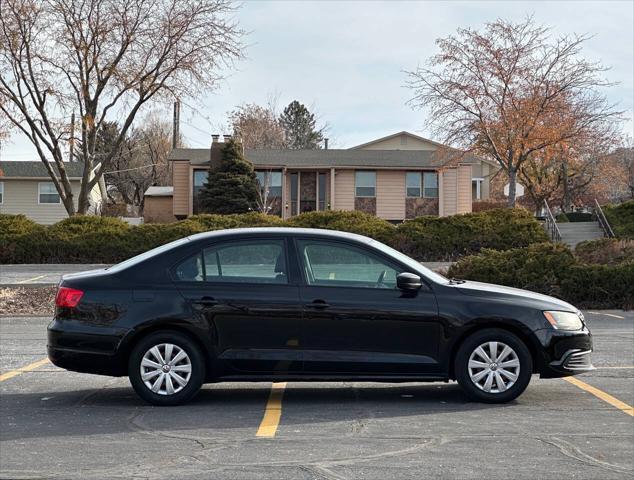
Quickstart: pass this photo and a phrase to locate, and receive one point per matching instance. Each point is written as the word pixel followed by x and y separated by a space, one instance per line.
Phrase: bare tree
pixel 257 127
pixel 141 160
pixel 500 92
pixel 265 202
pixel 104 59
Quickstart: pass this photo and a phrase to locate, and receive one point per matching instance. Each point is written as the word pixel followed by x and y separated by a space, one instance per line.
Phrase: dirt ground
pixel 27 301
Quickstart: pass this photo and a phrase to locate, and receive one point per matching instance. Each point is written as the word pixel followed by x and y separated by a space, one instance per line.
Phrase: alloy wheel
pixel 166 369
pixel 494 367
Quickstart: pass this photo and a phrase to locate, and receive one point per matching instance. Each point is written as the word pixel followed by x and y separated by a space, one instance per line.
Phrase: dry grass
pixel 27 301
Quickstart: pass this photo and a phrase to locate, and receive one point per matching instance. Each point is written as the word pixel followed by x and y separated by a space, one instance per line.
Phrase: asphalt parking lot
pixel 58 424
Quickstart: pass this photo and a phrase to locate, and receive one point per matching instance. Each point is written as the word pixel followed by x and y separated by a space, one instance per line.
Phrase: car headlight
pixel 564 320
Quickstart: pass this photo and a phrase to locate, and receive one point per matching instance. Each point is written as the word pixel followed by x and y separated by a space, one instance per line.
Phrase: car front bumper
pixel 564 353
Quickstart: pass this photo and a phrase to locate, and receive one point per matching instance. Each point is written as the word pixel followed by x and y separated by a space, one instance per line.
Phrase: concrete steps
pixel 576 232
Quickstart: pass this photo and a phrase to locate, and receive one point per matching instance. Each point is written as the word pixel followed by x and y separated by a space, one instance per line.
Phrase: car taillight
pixel 67 297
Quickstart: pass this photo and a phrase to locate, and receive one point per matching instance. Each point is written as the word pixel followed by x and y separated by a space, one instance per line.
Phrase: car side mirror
pixel 408 281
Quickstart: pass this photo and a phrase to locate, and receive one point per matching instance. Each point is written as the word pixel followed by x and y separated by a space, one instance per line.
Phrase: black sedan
pixel 284 304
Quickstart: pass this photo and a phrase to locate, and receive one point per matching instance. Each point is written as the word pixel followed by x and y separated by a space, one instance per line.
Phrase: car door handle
pixel 206 301
pixel 317 304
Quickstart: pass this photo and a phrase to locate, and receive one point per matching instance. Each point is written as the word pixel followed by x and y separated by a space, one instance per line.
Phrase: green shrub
pixel 621 219
pixel 352 221
pixel 599 286
pixel 446 238
pixel 537 267
pixel 86 225
pixel 552 270
pixel 17 225
pixel 605 251
pixel 253 219
pixel 562 218
pixel 578 217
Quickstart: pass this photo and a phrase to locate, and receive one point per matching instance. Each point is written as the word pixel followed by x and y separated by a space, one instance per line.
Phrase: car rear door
pixel 356 320
pixel 242 290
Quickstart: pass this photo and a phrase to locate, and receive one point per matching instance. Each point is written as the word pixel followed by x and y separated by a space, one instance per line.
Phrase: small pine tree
pixel 231 186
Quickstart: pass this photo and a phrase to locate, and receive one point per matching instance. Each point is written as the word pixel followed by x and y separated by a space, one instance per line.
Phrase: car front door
pixel 243 291
pixel 355 318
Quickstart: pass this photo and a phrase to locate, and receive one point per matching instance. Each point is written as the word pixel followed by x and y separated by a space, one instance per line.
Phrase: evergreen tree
pixel 300 127
pixel 231 186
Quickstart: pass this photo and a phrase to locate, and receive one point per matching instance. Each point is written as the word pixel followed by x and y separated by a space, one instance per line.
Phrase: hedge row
pixel 109 240
pixel 621 219
pixel 553 270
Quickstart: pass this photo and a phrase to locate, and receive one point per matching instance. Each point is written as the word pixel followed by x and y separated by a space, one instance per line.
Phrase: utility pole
pixel 72 138
pixel 176 124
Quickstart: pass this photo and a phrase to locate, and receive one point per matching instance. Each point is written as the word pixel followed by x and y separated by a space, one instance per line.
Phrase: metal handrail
pixel 603 221
pixel 551 225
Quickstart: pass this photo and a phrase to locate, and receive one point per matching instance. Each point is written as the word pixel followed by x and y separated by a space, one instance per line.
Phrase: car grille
pixel 578 361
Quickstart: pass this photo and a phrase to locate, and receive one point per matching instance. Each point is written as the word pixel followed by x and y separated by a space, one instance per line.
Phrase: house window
pixel 1 193
pixel 476 188
pixel 423 184
pixel 47 193
pixel 200 177
pixel 272 180
pixel 365 184
pixel 413 184
pixel 430 185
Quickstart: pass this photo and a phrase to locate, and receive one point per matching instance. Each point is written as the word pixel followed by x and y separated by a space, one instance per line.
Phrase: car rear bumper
pixel 84 350
pixel 564 353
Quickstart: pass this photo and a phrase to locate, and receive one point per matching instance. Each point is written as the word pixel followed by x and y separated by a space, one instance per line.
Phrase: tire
pixel 190 368
pixel 508 381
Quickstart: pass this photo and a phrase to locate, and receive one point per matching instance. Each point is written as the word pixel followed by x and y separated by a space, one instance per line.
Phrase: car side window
pixel 245 262
pixel 336 264
pixel 191 270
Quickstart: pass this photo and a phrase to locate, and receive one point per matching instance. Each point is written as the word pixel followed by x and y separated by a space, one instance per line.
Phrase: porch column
pixel 331 200
pixel 284 194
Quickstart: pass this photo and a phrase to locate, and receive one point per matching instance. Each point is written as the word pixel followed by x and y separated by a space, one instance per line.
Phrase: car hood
pixel 537 300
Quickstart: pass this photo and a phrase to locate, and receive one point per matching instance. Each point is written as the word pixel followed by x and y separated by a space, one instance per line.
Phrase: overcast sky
pixel 346 59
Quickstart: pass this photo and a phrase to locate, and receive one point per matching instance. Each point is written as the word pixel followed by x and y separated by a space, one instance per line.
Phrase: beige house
pixel 482 170
pixel 380 178
pixel 26 188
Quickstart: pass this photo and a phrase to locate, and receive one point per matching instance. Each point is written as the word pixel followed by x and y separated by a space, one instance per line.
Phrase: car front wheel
pixel 493 366
pixel 166 368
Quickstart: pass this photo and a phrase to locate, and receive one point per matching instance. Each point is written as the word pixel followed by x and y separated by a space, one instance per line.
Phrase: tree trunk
pixel 566 203
pixel 512 180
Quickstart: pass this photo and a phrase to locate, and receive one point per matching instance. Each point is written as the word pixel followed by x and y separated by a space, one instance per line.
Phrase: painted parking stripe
pixel 273 411
pixel 606 397
pixel 20 371
pixel 31 279
pixel 608 315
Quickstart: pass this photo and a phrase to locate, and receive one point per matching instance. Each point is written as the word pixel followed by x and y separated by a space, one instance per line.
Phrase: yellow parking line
pixel 273 411
pixel 606 397
pixel 20 371
pixel 31 279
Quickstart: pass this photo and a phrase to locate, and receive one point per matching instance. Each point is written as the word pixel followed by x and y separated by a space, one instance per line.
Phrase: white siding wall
pixel 21 197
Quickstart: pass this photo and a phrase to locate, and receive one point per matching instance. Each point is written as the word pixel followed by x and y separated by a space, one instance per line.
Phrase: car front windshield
pixel 410 262
pixel 146 255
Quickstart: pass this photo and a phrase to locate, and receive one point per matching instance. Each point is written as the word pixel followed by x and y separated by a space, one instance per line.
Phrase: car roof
pixel 282 231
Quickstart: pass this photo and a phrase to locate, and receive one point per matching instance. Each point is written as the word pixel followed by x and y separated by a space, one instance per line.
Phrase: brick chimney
pixel 226 138
pixel 214 138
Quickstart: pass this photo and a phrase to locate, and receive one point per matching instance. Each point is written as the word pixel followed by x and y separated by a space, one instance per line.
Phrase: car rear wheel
pixel 166 368
pixel 493 366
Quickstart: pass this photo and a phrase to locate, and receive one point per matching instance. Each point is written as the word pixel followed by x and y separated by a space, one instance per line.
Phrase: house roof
pixel 398 134
pixel 324 158
pixel 12 169
pixel 159 192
